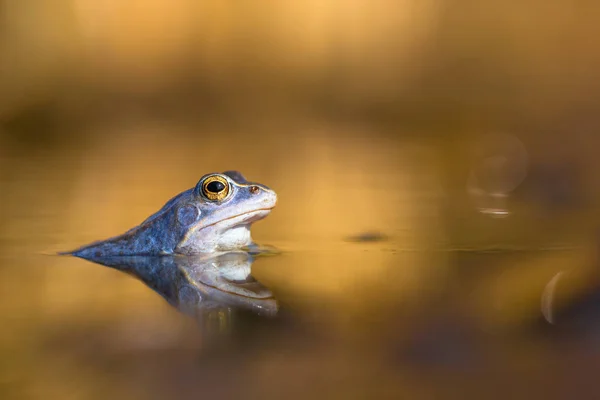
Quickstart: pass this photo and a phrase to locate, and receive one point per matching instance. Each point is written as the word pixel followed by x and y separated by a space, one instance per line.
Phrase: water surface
pixel 383 284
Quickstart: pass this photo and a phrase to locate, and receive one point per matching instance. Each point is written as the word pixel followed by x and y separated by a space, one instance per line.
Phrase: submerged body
pixel 215 215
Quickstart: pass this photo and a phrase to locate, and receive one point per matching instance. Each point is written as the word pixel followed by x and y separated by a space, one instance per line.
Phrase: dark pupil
pixel 215 187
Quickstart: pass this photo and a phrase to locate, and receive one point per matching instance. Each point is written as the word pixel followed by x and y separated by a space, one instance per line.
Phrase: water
pixel 383 287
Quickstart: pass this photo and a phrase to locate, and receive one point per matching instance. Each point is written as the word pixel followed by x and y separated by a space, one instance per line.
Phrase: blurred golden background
pixel 464 132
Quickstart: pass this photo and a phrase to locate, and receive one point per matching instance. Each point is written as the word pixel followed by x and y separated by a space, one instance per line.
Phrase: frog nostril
pixel 254 189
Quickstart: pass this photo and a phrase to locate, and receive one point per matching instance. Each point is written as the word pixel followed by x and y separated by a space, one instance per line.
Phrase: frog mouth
pixel 244 218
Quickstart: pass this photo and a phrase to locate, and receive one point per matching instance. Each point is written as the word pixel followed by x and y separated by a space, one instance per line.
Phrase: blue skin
pixel 192 223
pixel 204 282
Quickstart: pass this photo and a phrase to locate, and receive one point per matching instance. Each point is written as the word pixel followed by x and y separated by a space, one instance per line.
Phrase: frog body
pixel 215 215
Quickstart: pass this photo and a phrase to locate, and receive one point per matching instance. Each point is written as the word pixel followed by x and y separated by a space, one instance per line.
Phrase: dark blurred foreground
pixel 435 163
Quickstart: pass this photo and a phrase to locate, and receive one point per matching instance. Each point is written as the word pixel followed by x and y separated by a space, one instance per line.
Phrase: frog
pixel 215 215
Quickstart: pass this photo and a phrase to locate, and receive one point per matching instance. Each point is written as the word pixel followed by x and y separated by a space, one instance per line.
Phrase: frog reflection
pixel 214 216
pixel 199 284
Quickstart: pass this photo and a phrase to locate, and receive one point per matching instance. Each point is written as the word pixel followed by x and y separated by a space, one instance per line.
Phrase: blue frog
pixel 214 216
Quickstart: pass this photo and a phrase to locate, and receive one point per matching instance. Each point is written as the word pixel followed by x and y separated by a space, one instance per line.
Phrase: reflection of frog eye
pixel 215 188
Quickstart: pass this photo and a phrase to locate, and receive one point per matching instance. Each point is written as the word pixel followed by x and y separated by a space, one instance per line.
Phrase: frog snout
pixel 272 199
pixel 267 196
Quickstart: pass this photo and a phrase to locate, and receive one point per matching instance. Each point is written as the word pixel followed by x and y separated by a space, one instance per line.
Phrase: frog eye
pixel 215 188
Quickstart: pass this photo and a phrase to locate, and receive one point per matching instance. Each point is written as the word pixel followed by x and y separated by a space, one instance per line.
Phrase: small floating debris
pixel 367 237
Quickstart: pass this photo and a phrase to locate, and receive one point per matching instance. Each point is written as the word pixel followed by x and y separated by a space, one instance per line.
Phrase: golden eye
pixel 215 188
